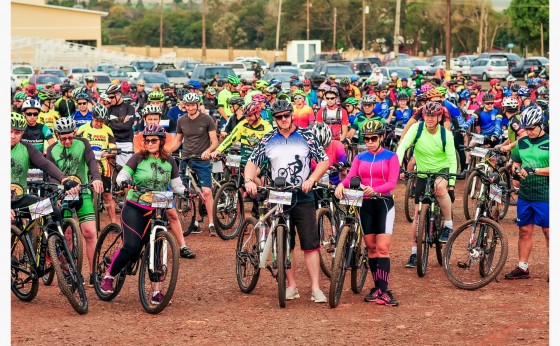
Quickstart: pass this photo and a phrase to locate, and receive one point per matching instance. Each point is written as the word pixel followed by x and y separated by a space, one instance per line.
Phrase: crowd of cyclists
pixel 366 127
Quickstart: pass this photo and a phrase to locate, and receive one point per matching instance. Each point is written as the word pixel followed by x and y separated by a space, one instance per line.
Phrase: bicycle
pixel 158 259
pixel 270 234
pixel 471 252
pixel 27 265
pixel 118 195
pixel 410 191
pixel 429 221
pixel 185 204
pixel 350 251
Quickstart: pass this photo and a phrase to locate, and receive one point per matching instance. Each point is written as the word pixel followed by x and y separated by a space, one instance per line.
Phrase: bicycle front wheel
pixel 473 186
pixel 70 280
pixel 186 209
pixel 280 238
pixel 327 240
pixel 98 208
pixel 409 199
pixel 422 241
pixel 228 211
pixel 109 243
pixel 339 266
pixel 504 206
pixel 247 256
pixel 360 268
pixel 72 231
pixel 156 286
pixel 475 254
pixel 25 283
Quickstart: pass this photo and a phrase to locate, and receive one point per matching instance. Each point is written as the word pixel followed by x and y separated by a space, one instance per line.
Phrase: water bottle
pixel 264 233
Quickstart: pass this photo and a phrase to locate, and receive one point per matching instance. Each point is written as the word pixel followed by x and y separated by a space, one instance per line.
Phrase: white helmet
pixel 64 125
pixel 532 116
pixel 323 133
pixel 510 103
pixel 191 98
pixel 30 104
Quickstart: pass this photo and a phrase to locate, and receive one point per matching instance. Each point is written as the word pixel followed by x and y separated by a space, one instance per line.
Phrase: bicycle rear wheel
pixel 280 238
pixel 360 268
pixel 409 199
pixel 327 241
pixel 25 283
pixel 163 277
pixel 186 209
pixel 228 211
pixel 422 241
pixel 473 186
pixel 73 234
pixel 472 262
pixel 98 208
pixel 247 256
pixel 339 266
pixel 504 206
pixel 70 280
pixel 108 244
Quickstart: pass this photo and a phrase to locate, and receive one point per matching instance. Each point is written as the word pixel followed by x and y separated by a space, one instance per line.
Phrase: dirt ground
pixel 208 307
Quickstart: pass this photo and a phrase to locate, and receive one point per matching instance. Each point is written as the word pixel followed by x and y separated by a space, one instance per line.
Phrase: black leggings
pixel 135 221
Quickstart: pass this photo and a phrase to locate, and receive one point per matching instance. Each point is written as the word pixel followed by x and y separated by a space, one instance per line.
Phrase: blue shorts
pixel 529 213
pixel 203 172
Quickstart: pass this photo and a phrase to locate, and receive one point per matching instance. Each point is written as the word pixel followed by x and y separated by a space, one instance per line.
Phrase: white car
pixel 465 62
pixel 261 62
pixel 239 68
pixel 177 76
pixel 131 71
pixel 305 67
pixel 290 69
pixel 76 73
pixel 490 68
pixel 21 72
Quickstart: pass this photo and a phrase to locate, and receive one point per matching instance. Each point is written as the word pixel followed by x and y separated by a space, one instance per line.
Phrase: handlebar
pixel 459 176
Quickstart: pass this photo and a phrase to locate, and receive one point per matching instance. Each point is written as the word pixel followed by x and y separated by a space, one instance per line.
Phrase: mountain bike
pixel 270 234
pixel 158 260
pixel 477 251
pixel 27 265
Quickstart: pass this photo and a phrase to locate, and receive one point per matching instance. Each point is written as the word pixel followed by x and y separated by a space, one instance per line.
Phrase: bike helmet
pixel 64 125
pixel 532 85
pixel 523 92
pixel 510 104
pixel 113 88
pixel 323 133
pixel 281 106
pixel 368 99
pixel 372 127
pixel 20 95
pixel 477 86
pixel 156 96
pixel 379 88
pixel 258 98
pixel 30 104
pixel 532 116
pixel 542 90
pixel 332 90
pixel 191 98
pixel 402 96
pixel 46 95
pixel 298 93
pixel 245 88
pixel 515 87
pixel 125 87
pixel 542 102
pixel 261 84
pixel 424 88
pixel 211 91
pixel 82 96
pixel 154 130
pixel 194 84
pixel 89 79
pixel 252 108
pixel 98 111
pixel 271 90
pixel 433 108
pixel 345 81
pixel 236 101
pixel 431 93
pixel 421 97
pixel 24 82
pixel 353 79
pixel 31 88
pixel 488 97
pixel 66 87
pixel 233 80
pixel 352 101
pixel 306 82
pixel 494 81
pixel 283 96
pixel 442 90
pixel 323 87
pixel 18 122
pixel 165 85
pixel 151 109
pixel 181 92
pixel 104 97
pixel 510 78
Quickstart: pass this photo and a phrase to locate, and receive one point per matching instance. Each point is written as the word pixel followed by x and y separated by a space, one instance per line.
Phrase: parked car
pixel 433 58
pixel 325 57
pixel 151 79
pixel 103 67
pixel 56 71
pixel 42 79
pixel 21 72
pixel 305 67
pixel 513 59
pixel 490 68
pixel 274 64
pixel 77 72
pixel 205 73
pixel 294 71
pixel 177 76
pixel 386 71
pixel 533 64
pixel 261 62
pixel 102 78
pixel 238 67
pixel 465 62
pixel 373 60
pixel 131 71
pixel 362 68
pixel 284 77
pixel 162 66
pixel 249 73
pixel 189 65
pixel 119 73
pixel 411 64
pixel 440 63
pixel 143 65
pixel 388 57
pixel 325 69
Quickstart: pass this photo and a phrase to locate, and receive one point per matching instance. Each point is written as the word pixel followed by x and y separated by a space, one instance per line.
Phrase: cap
pixel 377 70
pixel 394 74
pixel 332 76
pixel 141 82
pixel 49 84
pixel 404 79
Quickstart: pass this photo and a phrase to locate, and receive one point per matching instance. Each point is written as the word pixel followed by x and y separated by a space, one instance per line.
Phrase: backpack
pixel 338 116
pixel 442 131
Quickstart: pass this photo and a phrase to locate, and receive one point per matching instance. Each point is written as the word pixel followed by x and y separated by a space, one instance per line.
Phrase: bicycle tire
pixel 360 268
pixel 48 278
pixel 98 208
pixel 505 177
pixel 226 196
pixel 247 256
pixel 481 273
pixel 327 241
pixel 77 242
pixel 438 222
pixel 409 199
pixel 108 243
pixel 186 210
pixel 70 280
pixel 422 246
pixel 339 266
pixel 22 263
pixel 281 261
pixel 470 194
pixel 161 266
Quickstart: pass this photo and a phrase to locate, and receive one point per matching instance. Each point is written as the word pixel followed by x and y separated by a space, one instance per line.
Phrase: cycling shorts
pixel 421 187
pixel 377 216
pixel 529 213
pixel 203 173
pixel 303 218
pixel 86 212
pixel 106 184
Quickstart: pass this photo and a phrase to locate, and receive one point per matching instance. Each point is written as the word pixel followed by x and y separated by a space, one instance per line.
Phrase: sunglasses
pixel 349 106
pixel 267 95
pixel 371 139
pixel 298 98
pixel 66 139
pixel 488 103
pixel 151 141
pixel 32 114
pixel 367 105
pixel 285 116
pixel 82 103
pixel 531 128
pixel 111 96
pixel 330 98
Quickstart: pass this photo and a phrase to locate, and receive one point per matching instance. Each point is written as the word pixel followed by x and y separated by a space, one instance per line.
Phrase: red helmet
pixel 258 98
pixel 477 86
pixel 432 108
pixel 125 87
pixel 306 82
pixel 252 108
pixel 494 81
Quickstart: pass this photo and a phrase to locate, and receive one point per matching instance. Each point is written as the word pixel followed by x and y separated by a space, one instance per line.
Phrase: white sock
pixel 210 224
pixel 414 250
pixel 523 265
pixel 196 223
pixel 448 224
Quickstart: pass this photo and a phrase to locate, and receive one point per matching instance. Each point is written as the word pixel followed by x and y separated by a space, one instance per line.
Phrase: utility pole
pixel 448 42
pixel 276 53
pixel 203 30
pixel 364 11
pixel 334 31
pixel 307 20
pixel 542 40
pixel 480 30
pixel 397 29
pixel 160 27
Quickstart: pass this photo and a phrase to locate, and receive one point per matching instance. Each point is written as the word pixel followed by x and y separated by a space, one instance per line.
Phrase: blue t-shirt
pixel 82 119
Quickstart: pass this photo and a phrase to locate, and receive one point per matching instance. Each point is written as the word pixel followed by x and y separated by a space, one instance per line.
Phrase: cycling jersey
pixel 65 107
pixel 232 123
pixel 48 118
pixel 37 135
pixel 335 117
pixel 402 115
pixel 360 120
pixel 311 98
pixel 22 156
pixel 490 122
pixel 82 119
pixel 515 130
pixel 378 170
pixel 405 90
pixel 383 108
pixel 303 116
pixel 122 130
pixel 99 139
pixel 533 153
pixel 76 160
pixel 175 113
pixel 247 135
pixel 223 98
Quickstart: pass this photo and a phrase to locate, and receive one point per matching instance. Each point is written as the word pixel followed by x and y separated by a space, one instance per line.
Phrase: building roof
pixel 29 3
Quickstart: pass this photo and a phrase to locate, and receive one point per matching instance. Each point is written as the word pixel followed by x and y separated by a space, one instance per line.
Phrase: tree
pixel 225 29
pixel 526 18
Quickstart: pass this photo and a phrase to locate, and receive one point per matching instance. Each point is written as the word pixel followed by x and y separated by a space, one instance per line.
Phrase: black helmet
pixel 488 97
pixel 281 106
pixel 236 101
